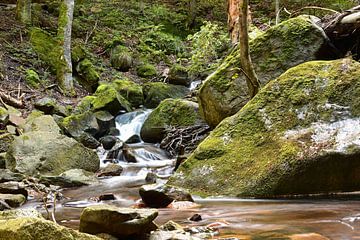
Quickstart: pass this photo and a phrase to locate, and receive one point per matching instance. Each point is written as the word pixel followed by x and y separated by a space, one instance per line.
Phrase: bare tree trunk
pixel 64 74
pixel 246 64
pixel 23 11
pixel 233 20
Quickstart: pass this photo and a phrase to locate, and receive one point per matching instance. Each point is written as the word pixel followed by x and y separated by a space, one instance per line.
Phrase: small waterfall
pixel 194 84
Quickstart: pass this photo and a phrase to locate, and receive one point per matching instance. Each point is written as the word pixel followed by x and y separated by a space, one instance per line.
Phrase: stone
pixel 108 142
pixel 78 124
pixel 172 235
pixel 121 59
pixel 7 176
pixel 171 226
pixel 51 106
pixel 146 70
pixel 41 123
pixel 49 153
pixel 179 75
pixel 155 92
pixel 160 196
pixel 111 169
pixel 32 78
pixel 27 228
pixel 281 47
pixel 88 76
pixel 299 135
pixel 13 200
pixel 133 139
pixel 88 141
pixel 20 213
pixel 170 113
pixel 107 197
pixel 6 142
pixel 130 91
pixel 105 121
pixel 13 188
pixel 122 222
pixel 196 218
pixel 71 178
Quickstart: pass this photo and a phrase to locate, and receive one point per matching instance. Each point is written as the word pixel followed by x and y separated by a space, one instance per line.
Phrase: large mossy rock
pixel 286 45
pixel 88 76
pixel 40 152
pixel 129 90
pixel 124 223
pixel 27 228
pixel 299 135
pixel 156 92
pixel 170 113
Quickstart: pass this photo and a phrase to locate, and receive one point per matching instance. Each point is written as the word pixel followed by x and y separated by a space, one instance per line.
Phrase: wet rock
pixel 150 178
pixel 40 229
pixel 115 151
pixel 160 196
pixel 107 197
pixel 113 131
pixel 171 226
pixel 133 139
pixel 172 235
pixel 156 92
pixel 49 153
pixel 105 121
pixel 170 113
pixel 4 206
pixel 123 223
pixel 51 106
pixel 281 47
pixel 88 141
pixel 110 170
pixel 20 213
pixel 13 188
pixel 71 178
pixel 196 218
pixel 299 135
pixel 7 176
pixel 106 236
pixel 108 142
pixel 178 75
pixel 13 200
pixel 41 123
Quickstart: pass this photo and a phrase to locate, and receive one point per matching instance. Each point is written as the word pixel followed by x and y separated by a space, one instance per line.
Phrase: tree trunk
pixel 233 20
pixel 246 64
pixel 23 11
pixel 64 73
pixel 277 12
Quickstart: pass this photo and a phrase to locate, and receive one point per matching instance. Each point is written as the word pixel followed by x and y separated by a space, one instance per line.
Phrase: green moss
pixel 78 53
pixel 146 70
pixel 89 77
pixel 85 104
pixel 32 78
pixel 252 153
pixel 121 58
pixel 129 90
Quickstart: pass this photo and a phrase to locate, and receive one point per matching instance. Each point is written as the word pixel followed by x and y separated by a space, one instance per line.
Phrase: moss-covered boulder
pixel 170 113
pixel 19 213
pixel 51 106
pixel 283 46
pixel 32 78
pixel 27 228
pixel 88 76
pixel 146 70
pixel 156 92
pixel 179 75
pixel 121 59
pixel 50 153
pixel 299 135
pixel 129 90
pixel 78 124
pixel 109 99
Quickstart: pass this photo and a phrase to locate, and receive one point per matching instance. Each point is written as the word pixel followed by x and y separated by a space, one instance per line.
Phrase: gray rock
pixel 41 123
pixel 78 124
pixel 4 116
pixel 88 141
pixel 20 213
pixel 51 106
pixel 105 121
pixel 133 139
pixel 160 196
pixel 110 170
pixel 13 188
pixel 122 222
pixel 172 235
pixel 108 142
pixel 71 178
pixel 178 75
pixel 49 153
pixel 13 200
pixel 7 176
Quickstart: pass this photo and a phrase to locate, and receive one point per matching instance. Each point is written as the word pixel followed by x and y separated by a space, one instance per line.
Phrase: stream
pixel 240 218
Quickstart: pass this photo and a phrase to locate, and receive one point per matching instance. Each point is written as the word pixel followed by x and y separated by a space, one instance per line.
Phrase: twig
pixel 316 8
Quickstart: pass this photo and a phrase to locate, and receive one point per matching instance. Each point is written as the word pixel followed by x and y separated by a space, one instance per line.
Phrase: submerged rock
pixel 156 92
pixel 283 46
pixel 49 153
pixel 123 223
pixel 160 196
pixel 299 135
pixel 170 113
pixel 26 228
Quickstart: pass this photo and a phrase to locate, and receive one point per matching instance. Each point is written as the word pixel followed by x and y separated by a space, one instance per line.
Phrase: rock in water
pixel 49 153
pixel 27 228
pixel 299 135
pixel 119 222
pixel 283 46
pixel 160 196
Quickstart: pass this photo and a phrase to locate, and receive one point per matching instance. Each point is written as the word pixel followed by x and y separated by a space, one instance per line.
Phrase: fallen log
pixel 18 103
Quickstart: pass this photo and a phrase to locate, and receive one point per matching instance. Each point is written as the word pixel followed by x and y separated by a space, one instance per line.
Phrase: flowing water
pixel 240 218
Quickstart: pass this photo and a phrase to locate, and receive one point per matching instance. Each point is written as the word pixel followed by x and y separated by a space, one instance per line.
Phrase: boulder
pixel 105 121
pixel 13 188
pixel 13 200
pixel 108 142
pixel 110 170
pixel 51 106
pixel 123 223
pixel 133 139
pixel 41 123
pixel 160 196
pixel 121 59
pixel 78 124
pixel 71 178
pixel 170 113
pixel 283 46
pixel 179 75
pixel 27 228
pixel 32 78
pixel 131 91
pixel 20 213
pixel 7 176
pixel 88 76
pixel 173 235
pixel 146 70
pixel 156 92
pixel 299 135
pixel 49 153
pixel 108 99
